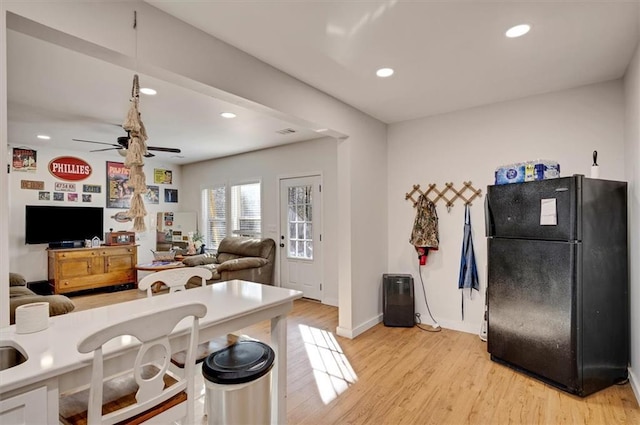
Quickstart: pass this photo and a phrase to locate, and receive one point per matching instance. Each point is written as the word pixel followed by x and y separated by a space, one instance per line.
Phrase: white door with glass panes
pixel 300 239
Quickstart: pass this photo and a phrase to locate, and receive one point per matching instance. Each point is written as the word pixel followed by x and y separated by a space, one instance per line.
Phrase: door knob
pixel 281 245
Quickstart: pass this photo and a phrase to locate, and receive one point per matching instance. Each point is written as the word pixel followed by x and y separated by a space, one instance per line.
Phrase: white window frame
pixel 234 208
pixel 229 221
pixel 209 244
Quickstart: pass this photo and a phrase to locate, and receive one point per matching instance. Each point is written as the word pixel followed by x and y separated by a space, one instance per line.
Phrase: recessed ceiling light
pixel 384 72
pixel 147 90
pixel 517 31
pixel 43 137
pixel 228 115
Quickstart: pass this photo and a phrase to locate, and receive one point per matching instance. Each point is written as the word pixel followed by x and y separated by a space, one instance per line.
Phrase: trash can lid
pixel 241 362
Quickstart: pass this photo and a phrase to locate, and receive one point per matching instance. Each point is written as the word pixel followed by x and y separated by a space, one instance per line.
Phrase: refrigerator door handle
pixel 488 218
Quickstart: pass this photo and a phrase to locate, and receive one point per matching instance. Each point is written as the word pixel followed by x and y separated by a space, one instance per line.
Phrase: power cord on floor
pixel 435 327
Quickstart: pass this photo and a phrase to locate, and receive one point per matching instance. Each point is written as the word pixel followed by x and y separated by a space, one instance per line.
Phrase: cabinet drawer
pixel 73 254
pixel 96 281
pixel 121 250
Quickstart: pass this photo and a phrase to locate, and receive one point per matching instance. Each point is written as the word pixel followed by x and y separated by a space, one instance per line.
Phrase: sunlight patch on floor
pixel 331 369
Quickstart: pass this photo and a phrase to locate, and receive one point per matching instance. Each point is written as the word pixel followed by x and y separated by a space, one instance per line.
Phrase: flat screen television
pixel 53 224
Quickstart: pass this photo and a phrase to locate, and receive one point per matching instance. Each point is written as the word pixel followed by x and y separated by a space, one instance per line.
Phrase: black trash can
pixel 238 384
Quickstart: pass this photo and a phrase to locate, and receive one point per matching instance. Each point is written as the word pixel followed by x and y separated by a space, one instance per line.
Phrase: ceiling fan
pixel 122 145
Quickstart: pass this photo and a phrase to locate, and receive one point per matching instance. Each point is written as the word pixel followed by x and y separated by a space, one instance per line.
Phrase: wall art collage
pixel 70 169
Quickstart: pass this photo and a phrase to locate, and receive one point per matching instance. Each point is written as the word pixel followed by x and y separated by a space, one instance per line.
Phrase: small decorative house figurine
pixel 95 242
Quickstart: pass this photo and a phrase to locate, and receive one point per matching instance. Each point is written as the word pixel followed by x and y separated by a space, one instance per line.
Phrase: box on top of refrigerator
pixel 540 169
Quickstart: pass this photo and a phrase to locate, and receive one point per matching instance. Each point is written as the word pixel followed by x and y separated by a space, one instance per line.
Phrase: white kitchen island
pixel 54 365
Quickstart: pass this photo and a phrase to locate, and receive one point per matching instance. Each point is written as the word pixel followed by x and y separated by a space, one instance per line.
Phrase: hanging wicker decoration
pixel 136 150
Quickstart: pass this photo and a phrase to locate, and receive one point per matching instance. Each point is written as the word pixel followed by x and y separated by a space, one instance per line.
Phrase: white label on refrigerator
pixel 548 214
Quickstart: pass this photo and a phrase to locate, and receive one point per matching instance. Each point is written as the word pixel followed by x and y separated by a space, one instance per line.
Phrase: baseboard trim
pixel 635 385
pixel 471 328
pixel 352 333
pixel 331 301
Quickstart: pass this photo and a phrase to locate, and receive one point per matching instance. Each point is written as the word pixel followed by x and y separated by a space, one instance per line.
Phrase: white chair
pixel 148 392
pixel 175 279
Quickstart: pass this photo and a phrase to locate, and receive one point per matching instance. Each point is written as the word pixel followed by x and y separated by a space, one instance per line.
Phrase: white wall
pixel 313 157
pixel 467 146
pixel 170 49
pixel 632 175
pixel 4 199
pixel 31 260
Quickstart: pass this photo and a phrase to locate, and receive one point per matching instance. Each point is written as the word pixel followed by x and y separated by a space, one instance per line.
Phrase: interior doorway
pixel 301 235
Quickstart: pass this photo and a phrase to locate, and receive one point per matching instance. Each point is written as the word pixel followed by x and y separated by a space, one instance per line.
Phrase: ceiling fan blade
pixel 160 149
pixel 105 149
pixel 93 141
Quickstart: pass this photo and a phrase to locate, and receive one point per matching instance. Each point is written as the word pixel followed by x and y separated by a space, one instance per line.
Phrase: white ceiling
pixel 66 95
pixel 447 56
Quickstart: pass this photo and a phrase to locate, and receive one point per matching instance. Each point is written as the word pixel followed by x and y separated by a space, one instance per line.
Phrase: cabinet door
pixel 74 268
pixel 120 259
pixel 79 263
pixel 27 408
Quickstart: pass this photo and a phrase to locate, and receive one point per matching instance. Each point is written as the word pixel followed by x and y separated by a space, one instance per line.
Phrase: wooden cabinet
pixel 86 268
pixel 24 409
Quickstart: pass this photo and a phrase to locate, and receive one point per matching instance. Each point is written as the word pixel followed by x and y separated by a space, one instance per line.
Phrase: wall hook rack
pixel 435 195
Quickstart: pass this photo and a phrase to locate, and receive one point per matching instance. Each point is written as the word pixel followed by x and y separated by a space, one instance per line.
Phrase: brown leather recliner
pixel 238 257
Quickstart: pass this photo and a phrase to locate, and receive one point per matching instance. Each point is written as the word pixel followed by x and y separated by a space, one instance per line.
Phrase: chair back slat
pixel 151 386
pixel 175 279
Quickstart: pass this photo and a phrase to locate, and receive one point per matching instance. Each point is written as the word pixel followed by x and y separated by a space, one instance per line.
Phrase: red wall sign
pixel 69 168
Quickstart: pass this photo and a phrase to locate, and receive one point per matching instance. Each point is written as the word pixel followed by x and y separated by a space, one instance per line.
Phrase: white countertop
pixel 52 352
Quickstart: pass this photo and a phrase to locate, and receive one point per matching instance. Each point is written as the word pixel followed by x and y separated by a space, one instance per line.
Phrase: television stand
pixel 76 269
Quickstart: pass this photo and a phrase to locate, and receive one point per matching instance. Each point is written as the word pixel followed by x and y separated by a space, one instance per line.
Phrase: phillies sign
pixel 69 168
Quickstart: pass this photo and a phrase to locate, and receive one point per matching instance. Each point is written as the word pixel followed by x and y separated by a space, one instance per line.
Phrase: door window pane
pixel 300 228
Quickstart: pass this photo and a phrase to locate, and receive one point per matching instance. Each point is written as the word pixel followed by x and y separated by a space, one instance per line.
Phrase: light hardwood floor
pixel 409 376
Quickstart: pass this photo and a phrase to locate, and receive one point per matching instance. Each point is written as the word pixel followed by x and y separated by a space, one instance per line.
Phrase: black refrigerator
pixel 558 285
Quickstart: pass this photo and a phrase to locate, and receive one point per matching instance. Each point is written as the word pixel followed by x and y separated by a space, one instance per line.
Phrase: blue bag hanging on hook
pixel 468 269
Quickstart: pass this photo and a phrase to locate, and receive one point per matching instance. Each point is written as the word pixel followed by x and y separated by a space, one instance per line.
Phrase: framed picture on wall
pixel 24 159
pixel 152 195
pixel 171 195
pixel 118 190
pixel 162 176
